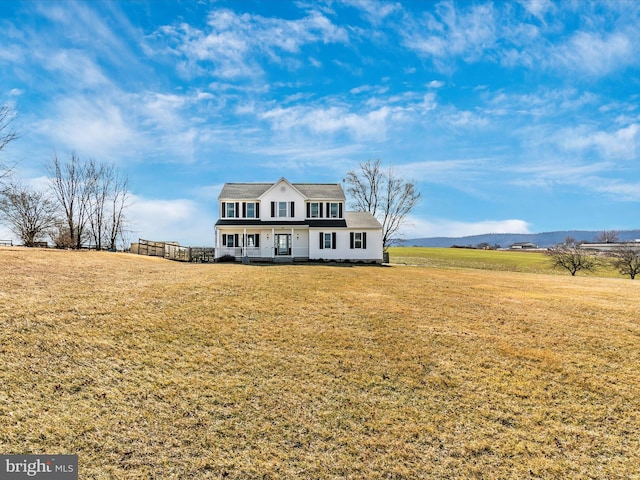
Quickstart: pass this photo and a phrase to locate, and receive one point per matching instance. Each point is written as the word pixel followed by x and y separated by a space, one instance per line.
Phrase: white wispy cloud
pixel 172 220
pixel 454 32
pixel 233 43
pixel 595 53
pixel 620 144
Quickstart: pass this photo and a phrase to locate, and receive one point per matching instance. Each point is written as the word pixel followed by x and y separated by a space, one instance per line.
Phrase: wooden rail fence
pixel 173 251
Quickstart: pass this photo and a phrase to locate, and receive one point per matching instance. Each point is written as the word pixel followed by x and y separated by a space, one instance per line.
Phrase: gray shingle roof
pixel 361 220
pixel 251 191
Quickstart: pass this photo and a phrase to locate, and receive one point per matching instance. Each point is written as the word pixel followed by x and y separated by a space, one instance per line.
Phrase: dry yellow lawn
pixel 148 368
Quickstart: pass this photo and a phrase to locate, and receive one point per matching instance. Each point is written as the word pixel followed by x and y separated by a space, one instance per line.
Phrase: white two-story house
pixel 286 221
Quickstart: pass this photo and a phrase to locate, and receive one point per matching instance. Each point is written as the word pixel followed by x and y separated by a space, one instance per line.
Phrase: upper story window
pixel 334 210
pixel 283 209
pixel 240 210
pixel 250 210
pixel 231 210
pixel 314 210
pixel 324 210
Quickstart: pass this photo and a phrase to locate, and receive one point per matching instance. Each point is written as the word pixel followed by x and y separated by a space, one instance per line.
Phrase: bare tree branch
pixel 386 196
pixel 7 135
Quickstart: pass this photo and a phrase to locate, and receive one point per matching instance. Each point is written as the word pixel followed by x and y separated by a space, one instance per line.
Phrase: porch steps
pixel 282 259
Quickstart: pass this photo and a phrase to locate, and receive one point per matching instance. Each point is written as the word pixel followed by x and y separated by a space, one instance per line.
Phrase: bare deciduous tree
pixel 92 197
pixel 382 193
pixel 29 213
pixel 108 200
pixel 7 135
pixel 626 259
pixel 572 258
pixel 72 183
pixel 607 236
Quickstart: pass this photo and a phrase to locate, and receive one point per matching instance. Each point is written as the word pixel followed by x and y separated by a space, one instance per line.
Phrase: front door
pixel 283 244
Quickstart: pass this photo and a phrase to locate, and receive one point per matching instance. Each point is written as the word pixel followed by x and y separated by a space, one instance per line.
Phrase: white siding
pixel 282 192
pixel 373 252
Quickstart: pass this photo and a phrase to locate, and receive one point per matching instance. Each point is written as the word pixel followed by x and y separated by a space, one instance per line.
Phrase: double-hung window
pixel 253 240
pixel 314 210
pixel 334 210
pixel 358 240
pixel 251 210
pixel 231 210
pixel 283 209
pixel 327 240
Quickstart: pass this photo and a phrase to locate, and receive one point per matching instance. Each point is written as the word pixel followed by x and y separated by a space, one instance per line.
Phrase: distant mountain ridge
pixel 505 240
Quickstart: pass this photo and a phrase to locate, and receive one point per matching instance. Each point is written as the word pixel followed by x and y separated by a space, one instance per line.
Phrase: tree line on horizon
pixel 83 204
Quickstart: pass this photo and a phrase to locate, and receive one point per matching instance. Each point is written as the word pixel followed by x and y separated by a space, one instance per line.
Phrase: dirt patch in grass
pixel 147 368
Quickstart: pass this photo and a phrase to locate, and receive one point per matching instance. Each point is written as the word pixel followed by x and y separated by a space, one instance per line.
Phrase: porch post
pixel 273 243
pixel 291 246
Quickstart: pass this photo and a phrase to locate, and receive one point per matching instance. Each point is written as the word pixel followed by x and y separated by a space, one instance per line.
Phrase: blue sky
pixel 510 116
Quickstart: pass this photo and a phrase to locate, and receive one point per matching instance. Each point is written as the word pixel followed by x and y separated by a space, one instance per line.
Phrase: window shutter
pixel 236 243
pixel 224 210
pixel 237 212
pixel 333 240
pixel 340 210
pixel 308 210
pixel 320 203
pixel 321 240
pixel 292 213
pixel 273 209
pixel 244 209
pixel 224 239
pixel 364 239
pixel 257 241
pixel 351 240
pixel 328 210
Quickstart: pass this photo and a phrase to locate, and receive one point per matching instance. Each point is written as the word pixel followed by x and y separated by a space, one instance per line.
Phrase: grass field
pixel 502 260
pixel 148 368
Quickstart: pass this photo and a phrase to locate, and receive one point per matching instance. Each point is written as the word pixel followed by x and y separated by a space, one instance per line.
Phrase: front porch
pixel 263 245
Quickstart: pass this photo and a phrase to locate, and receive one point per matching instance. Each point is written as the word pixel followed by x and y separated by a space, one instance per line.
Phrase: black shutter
pixel 351 240
pixel 224 210
pixel 293 209
pixel 340 210
pixel 364 239
pixel 308 210
pixel 328 210
pixel 321 214
pixel 236 243
pixel 224 239
pixel 273 209
pixel 244 209
pixel 321 240
pixel 257 210
pixel 237 212
pixel 257 240
pixel 333 240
